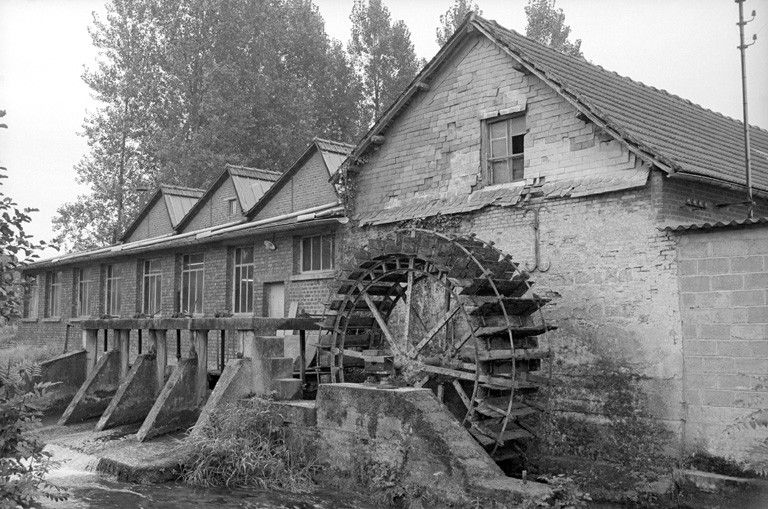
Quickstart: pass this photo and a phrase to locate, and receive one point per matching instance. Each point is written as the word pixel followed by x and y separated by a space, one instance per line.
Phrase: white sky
pixel 687 47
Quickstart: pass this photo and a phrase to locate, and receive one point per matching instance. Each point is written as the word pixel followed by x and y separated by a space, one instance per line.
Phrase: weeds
pixel 247 445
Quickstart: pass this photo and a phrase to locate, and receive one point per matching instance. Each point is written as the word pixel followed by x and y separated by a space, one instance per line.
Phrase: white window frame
pixel 151 287
pixel 32 299
pixel 53 294
pixel 242 281
pixel 514 126
pixel 189 270
pixel 232 206
pixel 112 291
pixel 83 289
pixel 323 267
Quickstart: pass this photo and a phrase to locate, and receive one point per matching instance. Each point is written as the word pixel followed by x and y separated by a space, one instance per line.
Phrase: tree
pixel 453 18
pixel 190 85
pixel 547 25
pixel 382 54
pixel 16 249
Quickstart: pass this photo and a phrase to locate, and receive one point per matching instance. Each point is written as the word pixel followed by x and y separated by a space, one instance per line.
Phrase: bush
pixel 247 445
pixel 23 463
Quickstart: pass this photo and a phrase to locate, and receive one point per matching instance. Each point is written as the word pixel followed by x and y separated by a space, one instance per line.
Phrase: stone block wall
pixel 724 306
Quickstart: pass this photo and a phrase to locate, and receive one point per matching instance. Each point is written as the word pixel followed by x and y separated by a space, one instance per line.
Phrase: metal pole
pixel 747 150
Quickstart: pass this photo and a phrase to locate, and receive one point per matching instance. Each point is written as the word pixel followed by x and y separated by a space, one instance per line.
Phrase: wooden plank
pixel 380 320
pixel 434 330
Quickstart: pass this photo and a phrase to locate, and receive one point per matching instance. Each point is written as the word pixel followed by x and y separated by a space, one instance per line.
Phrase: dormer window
pixel 232 206
pixel 505 160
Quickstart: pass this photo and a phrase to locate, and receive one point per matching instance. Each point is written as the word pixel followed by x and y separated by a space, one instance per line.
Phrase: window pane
pixel 238 253
pixel 196 258
pixel 500 172
pixel 316 253
pixel 236 284
pixel 517 144
pixel 249 292
pixel 517 168
pixel 498 130
pixel 327 251
pixel 499 148
pixel 247 256
pixel 306 254
pixel 199 293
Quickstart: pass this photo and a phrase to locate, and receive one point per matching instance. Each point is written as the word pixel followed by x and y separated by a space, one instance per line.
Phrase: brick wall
pixel 216 208
pixel 156 222
pixel 724 307
pixel 308 188
pixel 433 148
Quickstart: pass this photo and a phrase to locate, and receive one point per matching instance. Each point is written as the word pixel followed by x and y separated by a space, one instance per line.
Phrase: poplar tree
pixel 187 86
pixel 452 19
pixel 546 24
pixel 382 54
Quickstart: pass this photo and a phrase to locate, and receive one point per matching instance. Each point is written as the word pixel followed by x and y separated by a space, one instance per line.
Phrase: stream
pixel 87 489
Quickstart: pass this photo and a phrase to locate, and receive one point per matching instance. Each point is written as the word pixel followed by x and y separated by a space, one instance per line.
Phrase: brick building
pixel 608 180
pixel 251 244
pixel 523 145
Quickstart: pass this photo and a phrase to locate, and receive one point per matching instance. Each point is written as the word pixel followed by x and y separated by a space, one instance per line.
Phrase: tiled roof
pixel 254 173
pixel 691 138
pixel 334 146
pixel 682 227
pixel 182 191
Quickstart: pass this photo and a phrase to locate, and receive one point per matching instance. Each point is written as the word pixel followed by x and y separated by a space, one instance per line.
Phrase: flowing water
pixel 87 489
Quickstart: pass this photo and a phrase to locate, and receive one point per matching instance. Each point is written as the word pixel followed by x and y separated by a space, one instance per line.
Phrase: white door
pixel 275 295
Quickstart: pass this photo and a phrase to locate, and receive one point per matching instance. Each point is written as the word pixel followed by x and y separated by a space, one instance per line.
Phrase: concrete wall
pixel 724 304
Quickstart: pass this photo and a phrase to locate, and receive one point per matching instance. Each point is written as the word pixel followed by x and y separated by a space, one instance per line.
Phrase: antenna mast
pixel 747 152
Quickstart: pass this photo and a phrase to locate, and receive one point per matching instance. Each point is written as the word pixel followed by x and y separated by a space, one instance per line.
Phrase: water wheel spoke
pixel 434 330
pixel 422 381
pixel 380 320
pixel 462 395
pixel 409 302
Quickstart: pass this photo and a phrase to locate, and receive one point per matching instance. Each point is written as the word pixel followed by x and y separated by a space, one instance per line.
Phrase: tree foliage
pixel 452 18
pixel 16 249
pixel 382 53
pixel 546 24
pixel 23 462
pixel 189 85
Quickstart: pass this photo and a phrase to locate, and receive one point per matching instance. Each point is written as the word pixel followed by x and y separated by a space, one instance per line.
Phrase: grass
pixel 246 445
pixel 20 354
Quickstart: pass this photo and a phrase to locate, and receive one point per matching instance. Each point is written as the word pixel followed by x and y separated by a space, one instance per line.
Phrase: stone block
pixel 363 426
pixel 757 314
pixel 695 284
pixel 286 388
pixel 296 412
pixel 714 266
pixel 747 264
pixel 281 367
pixel 96 392
pixel 135 396
pixel 728 282
pixel 177 407
pixel 748 298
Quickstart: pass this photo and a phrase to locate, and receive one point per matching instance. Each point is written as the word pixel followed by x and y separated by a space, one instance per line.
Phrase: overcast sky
pixel 687 47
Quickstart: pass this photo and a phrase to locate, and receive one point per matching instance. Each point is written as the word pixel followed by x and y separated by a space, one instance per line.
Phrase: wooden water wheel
pixel 454 314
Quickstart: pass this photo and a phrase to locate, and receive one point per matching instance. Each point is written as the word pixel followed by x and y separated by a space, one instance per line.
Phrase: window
pixel 317 253
pixel 31 295
pixel 112 291
pixel 192 268
pixel 53 294
pixel 83 289
pixel 505 150
pixel 243 280
pixel 232 206
pixel 152 280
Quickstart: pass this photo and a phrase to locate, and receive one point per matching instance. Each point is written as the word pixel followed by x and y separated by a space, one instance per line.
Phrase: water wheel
pixel 453 314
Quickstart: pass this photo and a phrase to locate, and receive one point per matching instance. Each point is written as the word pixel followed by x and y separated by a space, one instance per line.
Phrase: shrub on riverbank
pixel 247 445
pixel 16 355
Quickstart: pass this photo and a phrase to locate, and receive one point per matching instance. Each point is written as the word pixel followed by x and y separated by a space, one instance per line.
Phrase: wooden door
pixel 274 293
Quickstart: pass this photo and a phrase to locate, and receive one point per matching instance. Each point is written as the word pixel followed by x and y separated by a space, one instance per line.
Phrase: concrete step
pixel 281 367
pixel 286 388
pixel 300 412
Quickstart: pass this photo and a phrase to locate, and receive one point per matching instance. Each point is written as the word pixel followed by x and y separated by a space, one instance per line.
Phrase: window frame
pixel 243 303
pixel 83 293
pixel 197 271
pixel 511 133
pixel 112 291
pixel 30 306
pixel 53 288
pixel 321 268
pixel 153 277
pixel 231 210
